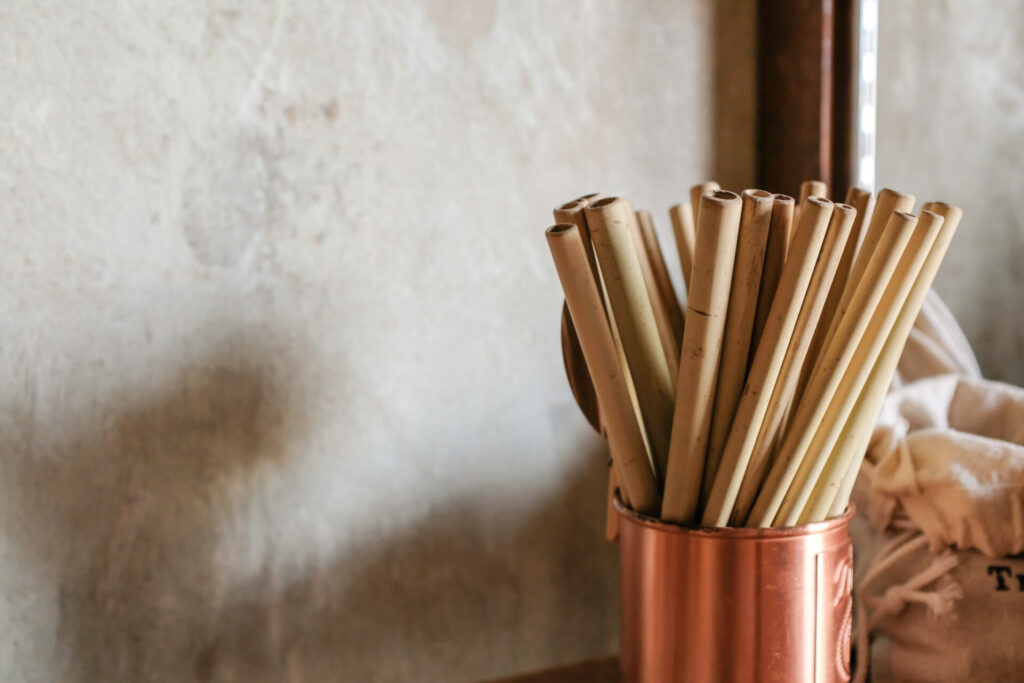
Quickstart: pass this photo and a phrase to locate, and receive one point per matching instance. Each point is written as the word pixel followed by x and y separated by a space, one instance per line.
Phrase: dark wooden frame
pixel 805 81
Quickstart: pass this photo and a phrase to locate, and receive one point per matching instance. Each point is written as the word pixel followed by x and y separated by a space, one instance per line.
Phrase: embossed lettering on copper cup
pixel 726 605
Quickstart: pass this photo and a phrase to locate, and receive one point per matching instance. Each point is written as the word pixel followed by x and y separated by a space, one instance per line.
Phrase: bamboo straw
pixel 681 216
pixel 812 188
pixel 832 493
pixel 768 357
pixel 575 366
pixel 755 218
pixel 698 191
pixel 858 199
pixel 774 257
pixel 611 221
pixel 666 335
pixel 808 188
pixel 837 236
pixel 624 432
pixel 707 305
pixel 582 388
pixel 860 432
pixel 572 212
pixel 864 357
pixel 611 516
pixel 687 226
pixel 663 282
pixel 887 202
pixel 579 376
pixel 833 363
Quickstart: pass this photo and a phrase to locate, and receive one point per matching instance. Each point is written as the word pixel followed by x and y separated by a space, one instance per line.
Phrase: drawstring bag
pixel 936 346
pixel 939 532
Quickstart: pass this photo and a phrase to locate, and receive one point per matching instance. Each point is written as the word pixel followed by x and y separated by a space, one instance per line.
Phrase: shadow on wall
pixel 123 516
pixel 130 519
pixel 445 600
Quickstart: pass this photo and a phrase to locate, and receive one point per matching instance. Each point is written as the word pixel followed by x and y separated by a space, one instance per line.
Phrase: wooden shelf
pixel 604 670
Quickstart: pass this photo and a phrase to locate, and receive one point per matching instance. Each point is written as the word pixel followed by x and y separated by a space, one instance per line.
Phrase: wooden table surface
pixel 604 670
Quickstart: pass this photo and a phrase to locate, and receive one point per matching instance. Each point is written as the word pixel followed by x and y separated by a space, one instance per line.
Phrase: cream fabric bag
pixel 936 346
pixel 940 504
pixel 939 515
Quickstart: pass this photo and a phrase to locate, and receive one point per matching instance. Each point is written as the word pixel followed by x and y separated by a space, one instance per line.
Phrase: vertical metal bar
pixel 867 81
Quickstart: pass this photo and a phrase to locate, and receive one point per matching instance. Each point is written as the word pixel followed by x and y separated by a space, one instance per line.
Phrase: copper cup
pixel 730 604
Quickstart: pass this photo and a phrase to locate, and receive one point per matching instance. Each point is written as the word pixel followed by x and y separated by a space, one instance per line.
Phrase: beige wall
pixel 951 127
pixel 280 393
pixel 280 388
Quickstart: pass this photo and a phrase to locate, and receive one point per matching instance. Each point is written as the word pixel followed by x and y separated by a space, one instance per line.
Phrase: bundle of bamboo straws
pixel 756 407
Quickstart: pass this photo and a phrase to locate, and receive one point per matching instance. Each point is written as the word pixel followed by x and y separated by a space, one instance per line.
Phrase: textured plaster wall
pixel 280 388
pixel 951 127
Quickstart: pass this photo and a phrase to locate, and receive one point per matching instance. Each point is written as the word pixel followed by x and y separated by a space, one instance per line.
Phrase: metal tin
pixel 722 605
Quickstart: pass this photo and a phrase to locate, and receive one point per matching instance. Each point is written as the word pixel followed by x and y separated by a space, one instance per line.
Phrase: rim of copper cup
pixel 735 531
